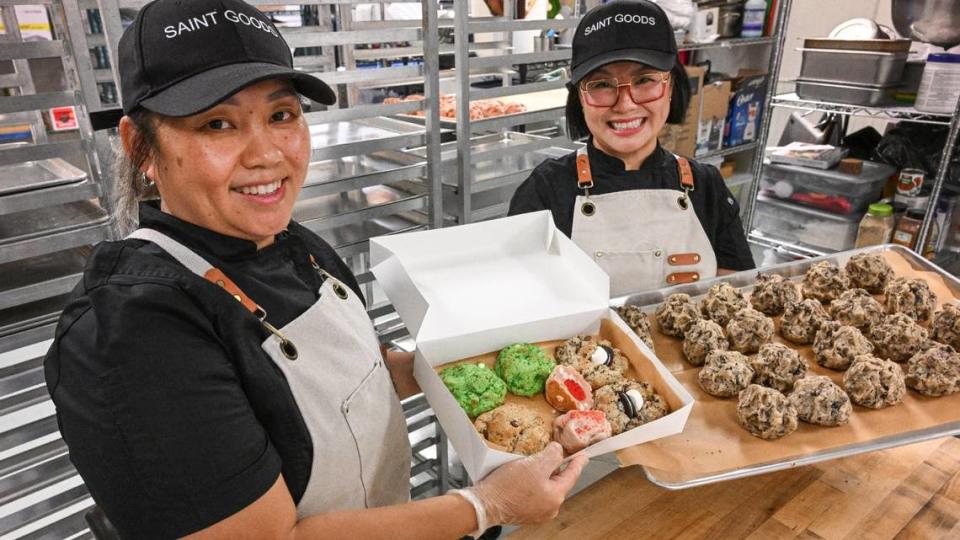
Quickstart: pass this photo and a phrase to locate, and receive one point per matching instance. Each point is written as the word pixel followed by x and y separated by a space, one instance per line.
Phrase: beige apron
pixel 331 359
pixel 642 238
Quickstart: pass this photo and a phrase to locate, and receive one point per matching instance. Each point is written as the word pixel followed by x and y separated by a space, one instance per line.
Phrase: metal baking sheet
pixel 32 315
pixel 864 68
pixel 873 45
pixel 36 278
pixel 794 270
pixel 498 155
pixel 847 94
pixel 321 214
pixel 45 221
pixel 32 175
pixel 332 140
pixel 533 101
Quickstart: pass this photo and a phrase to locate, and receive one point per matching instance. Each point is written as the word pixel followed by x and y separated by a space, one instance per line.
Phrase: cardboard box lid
pixel 466 283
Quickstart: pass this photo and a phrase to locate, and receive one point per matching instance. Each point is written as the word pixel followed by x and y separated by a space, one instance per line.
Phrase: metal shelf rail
pixel 892 113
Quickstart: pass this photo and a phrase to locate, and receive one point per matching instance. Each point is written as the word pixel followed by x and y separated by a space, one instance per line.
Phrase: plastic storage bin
pixel 820 230
pixel 829 190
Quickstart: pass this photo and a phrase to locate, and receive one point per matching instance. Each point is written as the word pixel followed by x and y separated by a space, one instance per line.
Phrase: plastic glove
pixel 528 490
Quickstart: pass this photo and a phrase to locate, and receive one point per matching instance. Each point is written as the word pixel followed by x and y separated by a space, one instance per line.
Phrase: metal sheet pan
pixel 28 280
pixel 45 221
pixel 32 175
pixel 794 270
pixel 33 315
pixel 534 102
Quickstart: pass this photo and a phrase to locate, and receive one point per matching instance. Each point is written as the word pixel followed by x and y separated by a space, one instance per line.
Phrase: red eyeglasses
pixel 643 89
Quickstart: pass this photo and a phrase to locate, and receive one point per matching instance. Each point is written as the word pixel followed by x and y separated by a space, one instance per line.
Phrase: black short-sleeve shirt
pixel 172 413
pixel 553 186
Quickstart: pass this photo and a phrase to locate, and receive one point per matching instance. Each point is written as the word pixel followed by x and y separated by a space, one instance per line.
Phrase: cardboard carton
pixel 746 108
pixel 472 290
pixel 714 103
pixel 681 139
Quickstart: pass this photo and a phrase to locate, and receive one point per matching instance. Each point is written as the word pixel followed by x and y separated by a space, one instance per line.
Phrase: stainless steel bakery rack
pixel 790 100
pixel 50 215
pixel 49 184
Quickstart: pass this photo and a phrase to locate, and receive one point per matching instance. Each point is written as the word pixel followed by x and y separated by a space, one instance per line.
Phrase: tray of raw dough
pixel 489 108
pixel 858 370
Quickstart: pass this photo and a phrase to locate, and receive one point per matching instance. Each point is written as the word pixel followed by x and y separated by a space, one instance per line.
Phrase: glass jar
pixel 908 228
pixel 876 227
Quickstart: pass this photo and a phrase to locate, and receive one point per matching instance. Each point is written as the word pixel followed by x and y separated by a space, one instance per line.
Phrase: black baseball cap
pixel 181 57
pixel 632 30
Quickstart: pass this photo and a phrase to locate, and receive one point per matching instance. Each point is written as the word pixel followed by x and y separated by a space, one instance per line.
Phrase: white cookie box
pixel 472 289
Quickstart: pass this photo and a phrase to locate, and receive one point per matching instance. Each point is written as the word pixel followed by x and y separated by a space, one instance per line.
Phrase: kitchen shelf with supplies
pixel 759 229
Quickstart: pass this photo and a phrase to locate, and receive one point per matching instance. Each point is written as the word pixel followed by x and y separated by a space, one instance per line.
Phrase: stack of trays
pixel 856 72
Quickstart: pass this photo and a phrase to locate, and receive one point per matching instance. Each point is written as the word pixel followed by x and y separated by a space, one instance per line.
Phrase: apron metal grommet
pixel 682 201
pixel 289 349
pixel 598 254
pixel 340 291
pixel 657 253
pixel 588 209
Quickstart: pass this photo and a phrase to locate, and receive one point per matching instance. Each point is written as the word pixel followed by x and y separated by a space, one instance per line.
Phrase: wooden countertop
pixel 907 492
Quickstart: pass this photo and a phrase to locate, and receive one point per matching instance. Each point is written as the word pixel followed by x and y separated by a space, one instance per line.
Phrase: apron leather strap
pixel 196 264
pixel 682 277
pixel 686 175
pixel 584 176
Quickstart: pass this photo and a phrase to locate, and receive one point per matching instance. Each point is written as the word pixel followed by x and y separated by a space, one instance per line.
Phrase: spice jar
pixel 908 228
pixel 876 227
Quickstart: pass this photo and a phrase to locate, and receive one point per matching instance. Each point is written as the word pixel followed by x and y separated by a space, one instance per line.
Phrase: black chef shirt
pixel 173 414
pixel 553 186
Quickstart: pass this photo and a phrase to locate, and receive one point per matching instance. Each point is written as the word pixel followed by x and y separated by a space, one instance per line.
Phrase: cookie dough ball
pixel 857 307
pixel 703 337
pixel 748 329
pixel 514 428
pixel 638 322
pixel 946 326
pixel 912 297
pixel 898 337
pixel 676 314
pixel 524 367
pixel 725 374
pixel 935 372
pixel 475 387
pixel 836 346
pixel 819 400
pixel 801 320
pixel 869 271
pixel 595 359
pixel 766 413
pixel 825 282
pixel 778 366
pixel 722 302
pixel 629 404
pixel 772 292
pixel 874 383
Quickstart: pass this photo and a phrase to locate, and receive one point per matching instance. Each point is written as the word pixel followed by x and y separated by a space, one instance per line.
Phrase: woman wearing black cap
pixel 216 372
pixel 648 218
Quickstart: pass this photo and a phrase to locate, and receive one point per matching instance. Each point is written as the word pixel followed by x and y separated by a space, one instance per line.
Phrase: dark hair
pixel 132 186
pixel 679 101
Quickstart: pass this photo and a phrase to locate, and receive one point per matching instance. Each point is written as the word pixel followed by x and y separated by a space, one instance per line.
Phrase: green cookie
pixel 524 367
pixel 475 387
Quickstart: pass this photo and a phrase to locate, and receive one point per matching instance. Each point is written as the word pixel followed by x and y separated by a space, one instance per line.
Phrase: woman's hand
pixel 400 364
pixel 528 490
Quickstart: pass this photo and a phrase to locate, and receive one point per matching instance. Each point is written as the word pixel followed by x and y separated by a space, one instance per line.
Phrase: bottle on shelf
pixel 876 227
pixel 908 228
pixel 754 12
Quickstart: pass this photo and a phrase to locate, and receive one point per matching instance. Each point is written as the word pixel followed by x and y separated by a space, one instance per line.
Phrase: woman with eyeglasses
pixel 648 218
